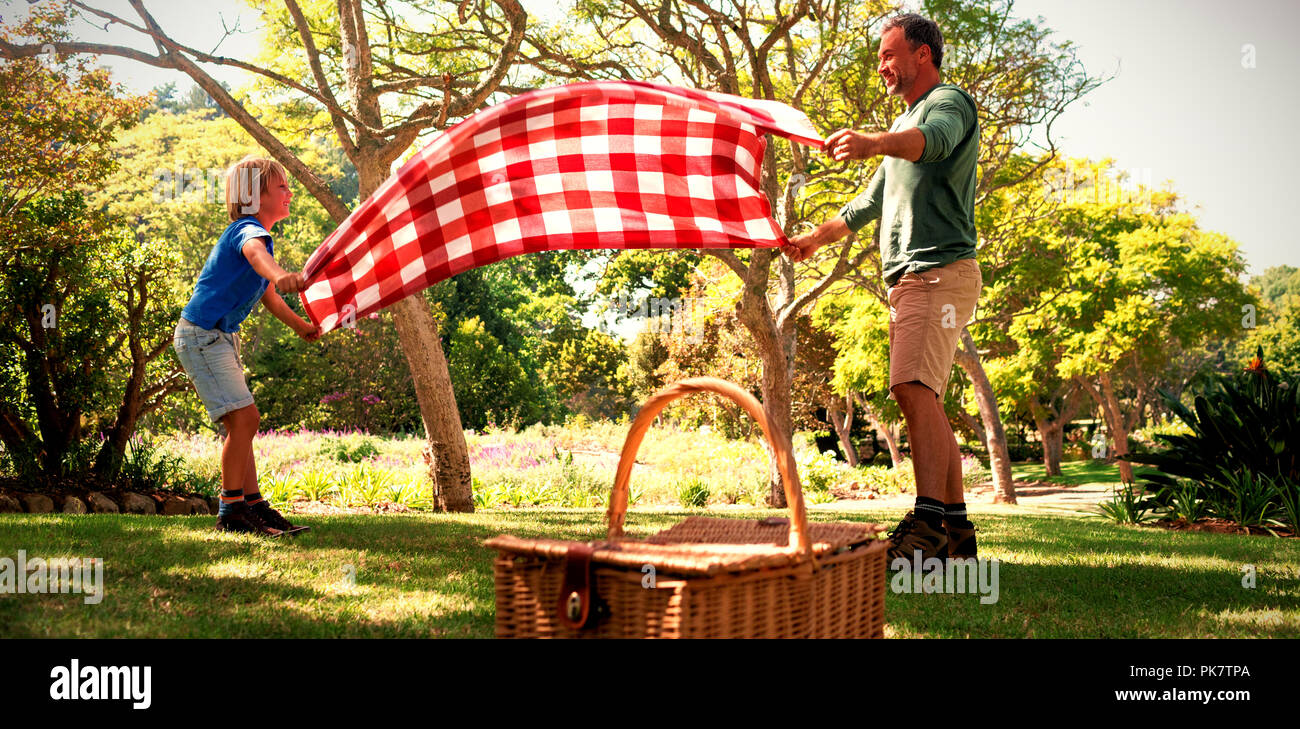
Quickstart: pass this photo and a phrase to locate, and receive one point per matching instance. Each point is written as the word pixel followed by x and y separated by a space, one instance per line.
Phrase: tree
pixel 433 73
pixel 87 314
pixel 859 324
pixel 1144 281
pixel 1275 326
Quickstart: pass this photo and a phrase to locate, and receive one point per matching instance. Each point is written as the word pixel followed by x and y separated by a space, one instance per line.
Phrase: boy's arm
pixel 266 267
pixel 273 303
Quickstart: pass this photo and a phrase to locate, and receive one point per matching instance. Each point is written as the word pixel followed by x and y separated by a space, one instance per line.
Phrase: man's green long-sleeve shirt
pixel 926 208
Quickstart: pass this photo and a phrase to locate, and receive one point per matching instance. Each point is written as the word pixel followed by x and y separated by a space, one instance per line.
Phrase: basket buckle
pixel 574 605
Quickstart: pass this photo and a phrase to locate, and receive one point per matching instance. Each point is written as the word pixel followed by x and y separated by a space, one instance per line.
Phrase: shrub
pixel 818 471
pixel 1183 501
pixel 693 494
pixel 1130 504
pixel 146 468
pixel 1246 498
pixel 347 450
pixel 1242 448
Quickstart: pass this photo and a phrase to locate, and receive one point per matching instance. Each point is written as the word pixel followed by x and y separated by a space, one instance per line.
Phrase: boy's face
pixel 275 200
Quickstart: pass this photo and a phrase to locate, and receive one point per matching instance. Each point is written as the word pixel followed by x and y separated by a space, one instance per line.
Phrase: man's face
pixel 898 62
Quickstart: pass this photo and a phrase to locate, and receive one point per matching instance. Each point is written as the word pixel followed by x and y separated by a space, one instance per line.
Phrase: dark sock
pixel 254 498
pixel 929 511
pixel 228 498
pixel 955 514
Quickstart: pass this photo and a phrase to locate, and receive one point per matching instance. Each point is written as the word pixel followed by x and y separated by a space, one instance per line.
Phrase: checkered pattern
pixel 588 165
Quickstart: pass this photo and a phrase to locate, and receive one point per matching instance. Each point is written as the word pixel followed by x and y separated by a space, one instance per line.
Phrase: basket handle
pixel 785 465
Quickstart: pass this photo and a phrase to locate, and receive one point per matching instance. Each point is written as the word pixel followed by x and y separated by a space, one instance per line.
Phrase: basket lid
pixel 706 545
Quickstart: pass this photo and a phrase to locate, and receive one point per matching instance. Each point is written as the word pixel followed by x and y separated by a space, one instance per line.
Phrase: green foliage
pixel 1245 497
pixel 86 314
pixel 1130 504
pixel 489 382
pixel 888 479
pixel 693 493
pixel 146 468
pixel 1183 501
pixel 819 471
pixel 356 451
pixel 1243 423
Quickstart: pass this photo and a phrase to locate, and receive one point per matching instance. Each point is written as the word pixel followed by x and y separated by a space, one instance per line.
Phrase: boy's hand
pixel 309 331
pixel 290 283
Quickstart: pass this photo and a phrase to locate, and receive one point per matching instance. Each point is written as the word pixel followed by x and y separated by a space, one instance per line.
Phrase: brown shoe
pixel 913 534
pixel 240 518
pixel 961 542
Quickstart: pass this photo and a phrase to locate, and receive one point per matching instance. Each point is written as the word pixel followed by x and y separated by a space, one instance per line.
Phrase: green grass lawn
pixel 427 575
pixel 1075 473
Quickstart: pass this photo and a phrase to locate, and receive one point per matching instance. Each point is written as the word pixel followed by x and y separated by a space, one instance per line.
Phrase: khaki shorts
pixel 927 312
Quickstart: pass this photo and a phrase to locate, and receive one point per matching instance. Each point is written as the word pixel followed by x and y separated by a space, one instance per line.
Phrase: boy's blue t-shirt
pixel 228 287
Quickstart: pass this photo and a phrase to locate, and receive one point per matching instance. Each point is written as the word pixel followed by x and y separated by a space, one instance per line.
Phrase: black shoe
pixel 275 520
pixel 914 534
pixel 240 518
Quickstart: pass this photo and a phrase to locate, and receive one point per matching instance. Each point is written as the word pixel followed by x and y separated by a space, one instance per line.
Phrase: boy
pixel 239 272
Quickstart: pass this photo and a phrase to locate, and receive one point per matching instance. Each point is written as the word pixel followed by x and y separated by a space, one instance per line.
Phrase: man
pixel 924 195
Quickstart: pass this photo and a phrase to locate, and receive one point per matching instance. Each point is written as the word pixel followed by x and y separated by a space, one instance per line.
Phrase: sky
pixel 1204 96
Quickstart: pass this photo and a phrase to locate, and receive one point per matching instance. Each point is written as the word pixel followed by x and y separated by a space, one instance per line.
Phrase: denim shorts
pixel 211 359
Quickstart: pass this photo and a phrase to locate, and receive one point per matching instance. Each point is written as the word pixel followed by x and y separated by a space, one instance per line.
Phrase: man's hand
pixel 802 246
pixel 289 283
pixel 846 144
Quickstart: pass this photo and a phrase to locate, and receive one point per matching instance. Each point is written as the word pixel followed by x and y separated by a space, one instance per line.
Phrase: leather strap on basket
pixel 799 540
pixel 574 603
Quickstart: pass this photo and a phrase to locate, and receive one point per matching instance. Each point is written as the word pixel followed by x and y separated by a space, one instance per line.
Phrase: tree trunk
pixel 1053 436
pixel 1118 430
pixel 1004 489
pixel 843 424
pixel 895 456
pixel 445 452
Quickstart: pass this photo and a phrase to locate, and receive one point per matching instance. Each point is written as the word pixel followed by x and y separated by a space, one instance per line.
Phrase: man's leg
pixel 929 434
pixel 955 493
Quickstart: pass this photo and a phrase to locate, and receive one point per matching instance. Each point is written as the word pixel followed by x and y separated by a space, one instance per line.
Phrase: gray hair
pixel 918 29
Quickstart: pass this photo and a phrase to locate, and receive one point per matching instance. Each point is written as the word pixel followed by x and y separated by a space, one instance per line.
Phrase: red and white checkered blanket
pixel 587 165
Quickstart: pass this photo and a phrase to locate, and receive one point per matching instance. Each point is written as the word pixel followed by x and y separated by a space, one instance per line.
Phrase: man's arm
pixel 255 251
pixel 274 304
pixel 846 144
pixel 947 119
pixel 852 217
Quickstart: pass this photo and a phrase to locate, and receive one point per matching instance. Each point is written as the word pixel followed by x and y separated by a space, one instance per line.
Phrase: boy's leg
pixel 251 492
pixel 237 451
pixel 236 465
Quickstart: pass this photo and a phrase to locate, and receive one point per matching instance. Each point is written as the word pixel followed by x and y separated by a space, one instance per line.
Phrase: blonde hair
pixel 245 182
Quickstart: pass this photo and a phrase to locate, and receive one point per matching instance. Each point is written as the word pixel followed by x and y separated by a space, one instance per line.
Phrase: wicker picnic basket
pixel 704 577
